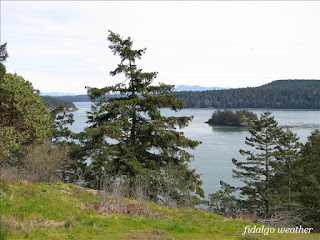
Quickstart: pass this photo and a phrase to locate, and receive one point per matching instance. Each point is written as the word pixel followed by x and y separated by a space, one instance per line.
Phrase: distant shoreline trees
pixel 53 103
pixel 281 94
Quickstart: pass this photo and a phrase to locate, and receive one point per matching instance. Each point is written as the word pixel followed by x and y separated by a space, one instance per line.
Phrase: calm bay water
pixel 212 159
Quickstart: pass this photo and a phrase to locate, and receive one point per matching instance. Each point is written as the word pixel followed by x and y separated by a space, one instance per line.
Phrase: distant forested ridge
pixel 77 98
pixel 52 103
pixel 281 94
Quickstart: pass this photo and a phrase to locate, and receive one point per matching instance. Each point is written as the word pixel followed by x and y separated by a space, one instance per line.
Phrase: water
pixel 212 159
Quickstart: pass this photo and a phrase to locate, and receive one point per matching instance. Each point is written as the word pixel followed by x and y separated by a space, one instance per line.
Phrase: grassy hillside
pixel 66 211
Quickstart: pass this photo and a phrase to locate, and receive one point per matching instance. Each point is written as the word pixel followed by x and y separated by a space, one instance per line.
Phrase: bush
pixel 46 162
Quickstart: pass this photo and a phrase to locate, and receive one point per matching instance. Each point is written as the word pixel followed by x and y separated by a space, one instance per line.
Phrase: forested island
pixel 52 103
pixel 227 117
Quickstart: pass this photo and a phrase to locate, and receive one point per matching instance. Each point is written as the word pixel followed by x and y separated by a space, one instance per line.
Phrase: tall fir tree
pixel 258 169
pixel 3 56
pixel 24 120
pixel 128 137
pixel 285 179
pixel 308 180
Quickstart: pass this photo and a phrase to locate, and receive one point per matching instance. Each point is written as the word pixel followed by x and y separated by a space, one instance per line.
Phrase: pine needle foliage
pixel 130 140
pixel 23 118
pixel 258 169
pixel 3 56
pixel 308 180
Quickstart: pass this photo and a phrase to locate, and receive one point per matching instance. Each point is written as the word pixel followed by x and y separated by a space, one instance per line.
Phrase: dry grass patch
pixel 7 175
pixel 247 217
pixel 148 235
pixel 49 223
pixel 10 224
pixel 133 209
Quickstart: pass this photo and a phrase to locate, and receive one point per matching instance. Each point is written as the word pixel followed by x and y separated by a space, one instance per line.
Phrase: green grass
pixel 65 211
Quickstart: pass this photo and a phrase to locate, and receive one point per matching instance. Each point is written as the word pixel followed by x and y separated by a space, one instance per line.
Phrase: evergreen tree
pixel 308 180
pixel 60 131
pixel 3 56
pixel 285 177
pixel 258 169
pixel 144 142
pixel 23 118
pixel 62 139
pixel 223 202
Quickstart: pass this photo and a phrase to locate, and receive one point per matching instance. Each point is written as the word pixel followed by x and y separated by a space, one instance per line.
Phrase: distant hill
pixel 51 103
pixel 180 88
pixel 84 97
pixel 280 94
pixel 57 94
pixel 77 98
pixel 177 89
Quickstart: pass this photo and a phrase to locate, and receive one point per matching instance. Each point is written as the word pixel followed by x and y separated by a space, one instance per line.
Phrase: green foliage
pixel 223 203
pixel 308 180
pixel 281 94
pixel 63 140
pixel 285 178
pixel 53 103
pixel 23 117
pixel 280 175
pixel 233 118
pixel 144 143
pixel 60 130
pixel 28 129
pixel 3 56
pixel 258 169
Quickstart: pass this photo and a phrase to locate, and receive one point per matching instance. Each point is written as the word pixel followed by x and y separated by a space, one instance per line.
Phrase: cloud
pixel 228 44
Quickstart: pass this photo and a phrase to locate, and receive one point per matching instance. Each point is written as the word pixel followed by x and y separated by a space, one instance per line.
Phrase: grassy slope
pixel 65 211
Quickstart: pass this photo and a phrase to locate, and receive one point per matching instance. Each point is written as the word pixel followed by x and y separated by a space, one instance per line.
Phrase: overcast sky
pixel 61 46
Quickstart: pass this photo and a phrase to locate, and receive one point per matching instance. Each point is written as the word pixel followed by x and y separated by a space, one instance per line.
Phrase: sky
pixel 61 46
